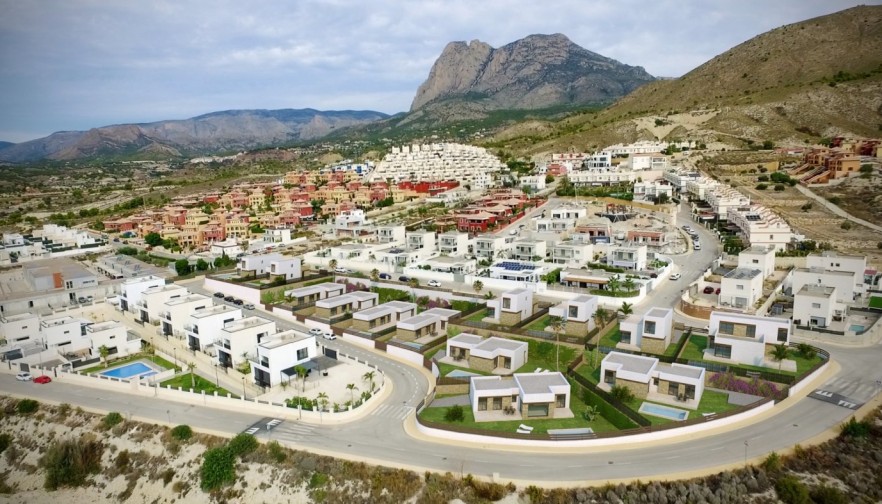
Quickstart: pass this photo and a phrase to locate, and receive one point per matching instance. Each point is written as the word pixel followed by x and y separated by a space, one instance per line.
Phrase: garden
pixel 199 384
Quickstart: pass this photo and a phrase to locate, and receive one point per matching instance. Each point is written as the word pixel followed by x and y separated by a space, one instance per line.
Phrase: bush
pixel 779 187
pixel 218 468
pixel 755 386
pixel 854 428
pixel 276 452
pixel 772 463
pixel 112 419
pixel 243 444
pixel 846 225
pixel 622 394
pixel 27 406
pixel 608 411
pixel 792 491
pixel 70 461
pixel 182 432
pixel 806 207
pixel 828 495
pixel 5 441
pixel 806 351
pixel 454 413
pixel 762 178
pixel 762 187
pixel 835 200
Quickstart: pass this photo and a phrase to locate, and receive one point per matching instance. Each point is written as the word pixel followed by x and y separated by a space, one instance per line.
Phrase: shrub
pixel 835 200
pixel 779 187
pixel 806 207
pixel 454 413
pixel 846 225
pixel 762 178
pixel 218 468
pixel 622 394
pixel 243 444
pixel 828 495
pixel 276 452
pixel 122 460
pixel 27 406
pixel 854 428
pixel 70 461
pixel 762 187
pixel 792 491
pixel 112 419
pixel 5 441
pixel 772 463
pixel 806 351
pixel 182 432
pixel 755 386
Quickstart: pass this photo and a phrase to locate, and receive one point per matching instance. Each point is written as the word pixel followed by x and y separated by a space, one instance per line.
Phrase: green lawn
pixel 445 369
pixel 543 354
pixel 587 368
pixel 539 324
pixel 876 302
pixel 694 349
pixel 612 337
pixel 478 315
pixel 202 384
pixel 159 361
pixel 671 351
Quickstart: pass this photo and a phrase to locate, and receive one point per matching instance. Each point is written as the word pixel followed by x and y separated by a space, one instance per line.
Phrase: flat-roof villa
pixel 383 316
pixel 577 313
pixel 647 378
pixel 205 325
pixel 745 339
pixel 346 303
pixel 512 306
pixel 523 395
pixel 239 337
pixel 278 355
pixel 313 293
pixel 429 323
pixel 519 271
pixel 650 332
pixel 491 355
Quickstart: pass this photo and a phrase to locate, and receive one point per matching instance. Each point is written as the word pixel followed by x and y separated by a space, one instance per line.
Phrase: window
pixel 782 334
pixel 506 303
pixel 649 327
pixel 724 351
pixel 497 403
pixel 609 377
pixel 514 400
pixel 755 261
pixel 302 353
pixel 739 287
pixel 482 404
pixel 625 337
pixel 560 400
pixel 816 305
pixel 573 311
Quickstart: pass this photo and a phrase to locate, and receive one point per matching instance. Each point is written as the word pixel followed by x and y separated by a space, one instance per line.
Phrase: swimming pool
pixel 663 411
pixel 128 371
pixel 856 328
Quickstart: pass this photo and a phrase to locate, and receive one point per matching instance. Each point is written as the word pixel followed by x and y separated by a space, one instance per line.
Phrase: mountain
pixel 4 145
pixel 539 71
pixel 795 84
pixel 215 132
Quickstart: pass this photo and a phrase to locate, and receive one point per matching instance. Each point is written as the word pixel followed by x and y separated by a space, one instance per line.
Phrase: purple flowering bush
pixel 754 386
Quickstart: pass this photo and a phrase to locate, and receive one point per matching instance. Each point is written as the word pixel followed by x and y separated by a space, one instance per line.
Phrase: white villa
pixel 523 395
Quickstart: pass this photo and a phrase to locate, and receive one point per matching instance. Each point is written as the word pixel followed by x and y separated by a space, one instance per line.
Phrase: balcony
pixel 142 304
pixel 165 315
pixel 191 328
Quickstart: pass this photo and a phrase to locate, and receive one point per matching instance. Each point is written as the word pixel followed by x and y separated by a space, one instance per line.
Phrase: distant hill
pixel 4 145
pixel 538 71
pixel 800 82
pixel 215 132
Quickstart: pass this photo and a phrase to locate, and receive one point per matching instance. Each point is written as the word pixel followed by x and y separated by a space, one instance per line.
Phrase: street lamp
pixel 745 452
pixel 175 350
pixel 244 394
pixel 216 381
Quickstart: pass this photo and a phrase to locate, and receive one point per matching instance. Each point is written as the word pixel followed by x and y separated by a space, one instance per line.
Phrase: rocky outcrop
pixel 535 72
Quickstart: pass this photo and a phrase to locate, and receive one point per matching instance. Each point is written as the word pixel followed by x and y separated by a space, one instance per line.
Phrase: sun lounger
pixel 708 414
pixel 522 431
pixel 525 427
pixel 538 370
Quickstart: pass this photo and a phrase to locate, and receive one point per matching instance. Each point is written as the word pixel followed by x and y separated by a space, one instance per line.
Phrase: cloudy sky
pixel 77 64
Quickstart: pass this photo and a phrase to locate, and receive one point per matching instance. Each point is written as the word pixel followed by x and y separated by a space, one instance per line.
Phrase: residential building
pixel 585 279
pixel 569 212
pixel 453 244
pixel 335 306
pixel 760 258
pixel 204 325
pixel 648 237
pixel 153 301
pixel 381 317
pixel 650 332
pixel 757 225
pixel 741 288
pixel 513 306
pixel 653 190
pixel 278 356
pixel 66 333
pixel 572 253
pixel 628 256
pixel 527 395
pixel 19 329
pixel 577 314
pixel 743 338
pixel 176 313
pixel 534 182
pixel 528 250
pixel 647 378
pixel 239 337
pixel 287 269
pixel 723 197
pixel 132 289
pixel 257 265
pixel 817 306
pixel 313 293
pixel 490 245
pixel 474 167
pixel 554 225
pixel 831 260
pixel 432 322
pixel 114 336
pixel 391 234
pixel 451 264
pixel 518 271
pixel 490 355
pixel 843 281
pixel 421 240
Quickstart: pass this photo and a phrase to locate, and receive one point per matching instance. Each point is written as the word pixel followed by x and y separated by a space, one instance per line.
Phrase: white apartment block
pixel 761 258
pixel 678 178
pixel 453 243
pixel 153 301
pixel 350 219
pixel 569 212
pixel 699 188
pixel 643 147
pixel 21 328
pixel 602 159
pixel 628 256
pixel 490 245
pixel 421 240
pixel 278 355
pixel 648 162
pixel 534 182
pixel 602 176
pixel 391 234
pixel 723 197
pixel 760 226
pixel 132 289
pixel 554 225
pixel 176 312
pixel 473 166
pixel 741 288
pixel 831 260
pixel 204 325
pixel 817 306
pixel 512 306
pixel 238 338
pixel 113 335
pixel 528 250
pixel 743 338
pixel 651 190
pixel 571 253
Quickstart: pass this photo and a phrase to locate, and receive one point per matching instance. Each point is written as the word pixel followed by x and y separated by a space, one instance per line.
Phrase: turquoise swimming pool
pixel 663 411
pixel 856 328
pixel 129 370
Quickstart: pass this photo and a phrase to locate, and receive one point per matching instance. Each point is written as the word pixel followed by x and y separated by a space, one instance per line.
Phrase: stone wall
pixel 640 390
pixel 577 328
pixel 652 345
pixel 462 388
pixel 480 364
pixel 405 335
pixel 509 318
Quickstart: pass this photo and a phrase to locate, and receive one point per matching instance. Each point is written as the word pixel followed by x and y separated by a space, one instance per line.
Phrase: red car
pixel 708 290
pixel 42 379
pixel 717 291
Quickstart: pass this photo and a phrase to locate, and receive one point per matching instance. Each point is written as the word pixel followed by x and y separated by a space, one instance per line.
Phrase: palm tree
pixel 629 284
pixel 600 316
pixel 375 275
pixel 557 324
pixel 332 264
pixel 613 284
pixel 478 286
pixel 103 351
pixel 351 388
pixel 301 373
pixel 190 367
pixel 626 309
pixel 322 400
pixel 779 353
pixel 369 378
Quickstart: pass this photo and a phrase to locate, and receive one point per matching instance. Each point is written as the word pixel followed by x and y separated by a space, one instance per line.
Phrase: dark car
pixel 717 291
pixel 385 276
pixel 653 275
pixel 229 299
pixel 238 302
pixel 708 290
pixel 404 278
pixel 218 294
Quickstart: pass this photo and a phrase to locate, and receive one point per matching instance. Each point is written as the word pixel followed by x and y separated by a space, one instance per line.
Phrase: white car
pixel 329 336
pixel 23 377
pixel 315 331
pixel 434 283
pixel 675 276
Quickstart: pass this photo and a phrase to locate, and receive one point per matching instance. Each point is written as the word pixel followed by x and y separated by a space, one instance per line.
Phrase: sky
pixel 79 64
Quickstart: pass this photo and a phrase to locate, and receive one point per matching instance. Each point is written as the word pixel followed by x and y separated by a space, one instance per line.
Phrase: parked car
pixel 218 294
pixel 229 299
pixel 23 377
pixel 329 336
pixel 42 379
pixel 315 331
pixel 404 278
pixel 248 306
pixel 675 276
pixel 340 269
pixel 653 275
pixel 385 276
pixel 717 291
pixel 708 290
pixel 513 232
pixel 434 283
pixel 238 302
pixel 697 246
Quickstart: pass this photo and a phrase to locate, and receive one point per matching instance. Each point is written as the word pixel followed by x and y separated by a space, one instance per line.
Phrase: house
pixel 647 378
pixel 628 256
pixel 490 245
pixel 257 265
pixel 382 316
pixel 646 236
pixel 431 322
pixel 176 313
pixel 114 336
pixel 759 258
pixel 513 306
pixel 278 356
pixel 450 264
pixel 229 247
pixel 453 244
pixel 238 338
pixel 391 234
pixel 831 260
pixel 526 395
pixel 132 289
pixel 843 281
pixel 313 293
pixel 286 269
pixel 19 329
pixel 153 301
pixel 585 279
pixel 66 333
pixel 741 288
pixel 421 240
pixel 572 253
pixel 817 306
pixel 744 339
pixel 577 313
pixel 204 325
pixel 345 303
pixel 650 332
pixel 528 250
pixel 518 271
pixel 758 225
pixel 491 355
